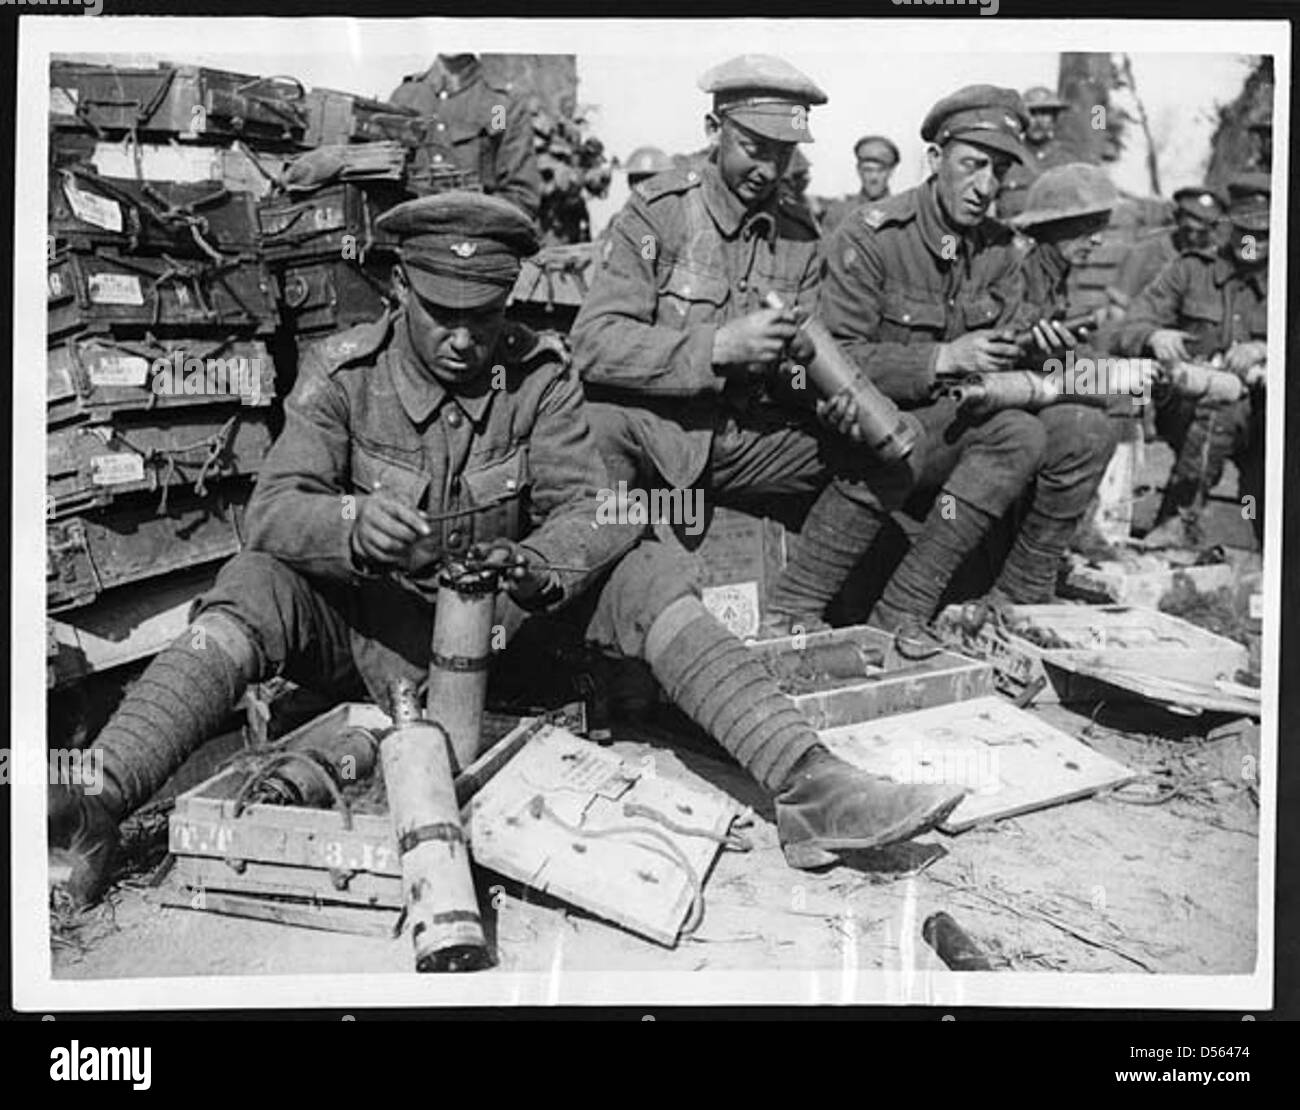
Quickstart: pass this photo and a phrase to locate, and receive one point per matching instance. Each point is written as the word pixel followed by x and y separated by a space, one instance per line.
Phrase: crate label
pixel 190 838
pixel 90 208
pixel 55 285
pixel 63 102
pixel 360 855
pixel 735 606
pixel 113 470
pixel 1257 607
pixel 116 289
pixel 111 369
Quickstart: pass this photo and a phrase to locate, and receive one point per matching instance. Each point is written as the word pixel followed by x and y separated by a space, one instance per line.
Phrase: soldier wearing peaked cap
pixel 924 287
pixel 876 158
pixel 478 129
pixel 439 433
pixel 1211 305
pixel 679 352
pixel 1042 108
pixel 1198 214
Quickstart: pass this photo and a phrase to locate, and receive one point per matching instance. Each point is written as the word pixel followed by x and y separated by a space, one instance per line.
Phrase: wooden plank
pixel 1010 760
pixel 1129 639
pixel 336 919
pixel 123 625
pixel 272 879
pixel 568 818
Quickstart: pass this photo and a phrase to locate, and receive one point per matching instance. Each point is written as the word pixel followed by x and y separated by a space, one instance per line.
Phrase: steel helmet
pixel 1065 193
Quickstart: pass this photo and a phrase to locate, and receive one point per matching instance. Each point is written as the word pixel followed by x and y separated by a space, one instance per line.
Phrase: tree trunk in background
pixel 1234 148
pixel 1086 81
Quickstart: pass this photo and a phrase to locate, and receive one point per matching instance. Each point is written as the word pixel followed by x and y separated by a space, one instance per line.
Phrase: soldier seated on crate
pixel 477 124
pixel 1211 304
pixel 416 439
pixel 924 288
pixel 679 349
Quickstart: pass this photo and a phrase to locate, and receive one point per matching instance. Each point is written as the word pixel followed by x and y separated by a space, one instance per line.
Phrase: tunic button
pixel 453 417
pixel 692 176
pixel 455 539
pixel 742 285
pixel 907 317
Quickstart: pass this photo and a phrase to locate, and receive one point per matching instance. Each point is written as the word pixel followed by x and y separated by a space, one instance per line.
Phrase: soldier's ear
pixel 933 156
pixel 712 127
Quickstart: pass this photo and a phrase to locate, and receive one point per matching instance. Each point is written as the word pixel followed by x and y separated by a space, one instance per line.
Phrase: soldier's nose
pixel 461 339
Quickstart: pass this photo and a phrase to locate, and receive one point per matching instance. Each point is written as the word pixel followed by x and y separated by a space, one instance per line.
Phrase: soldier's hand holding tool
pixel 1169 344
pixel 760 337
pixel 977 352
pixel 386 529
pixel 522 576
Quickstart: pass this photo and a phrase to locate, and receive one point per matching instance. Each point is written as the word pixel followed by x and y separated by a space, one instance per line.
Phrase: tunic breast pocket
pixel 905 315
pixel 979 312
pixel 498 491
pixel 692 297
pixel 390 470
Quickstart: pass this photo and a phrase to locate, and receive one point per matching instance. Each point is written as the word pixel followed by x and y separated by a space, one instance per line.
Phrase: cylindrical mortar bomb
pixel 980 394
pixel 842 660
pixel 461 653
pixel 953 945
pixel 1205 383
pixel 889 435
pixel 437 887
pixel 348 755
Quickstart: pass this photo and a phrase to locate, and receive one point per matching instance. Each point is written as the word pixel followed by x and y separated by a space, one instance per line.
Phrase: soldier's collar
pixel 420 393
pixel 727 210
pixel 452 81
pixel 936 234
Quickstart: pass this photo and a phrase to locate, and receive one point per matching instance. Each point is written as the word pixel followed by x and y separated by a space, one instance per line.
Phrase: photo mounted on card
pixel 769 512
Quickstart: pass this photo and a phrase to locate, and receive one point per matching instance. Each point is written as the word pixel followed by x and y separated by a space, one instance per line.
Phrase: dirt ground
pixel 1098 885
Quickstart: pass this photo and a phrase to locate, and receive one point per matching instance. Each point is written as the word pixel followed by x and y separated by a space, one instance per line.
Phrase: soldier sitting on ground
pixel 1211 306
pixel 410 442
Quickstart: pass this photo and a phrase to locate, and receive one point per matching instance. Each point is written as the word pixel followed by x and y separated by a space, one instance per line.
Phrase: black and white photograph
pixel 578 512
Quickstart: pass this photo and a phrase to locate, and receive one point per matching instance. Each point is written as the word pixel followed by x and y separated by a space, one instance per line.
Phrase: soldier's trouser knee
pixel 299 628
pixel 1203 437
pixel 1079 443
pixel 987 463
pixel 644 583
pixel 620 447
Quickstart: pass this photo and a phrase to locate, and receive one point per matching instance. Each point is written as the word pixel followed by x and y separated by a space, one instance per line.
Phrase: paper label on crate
pixel 63 102
pixel 111 369
pixel 91 208
pixel 1257 607
pixel 735 606
pixel 116 289
pixel 113 470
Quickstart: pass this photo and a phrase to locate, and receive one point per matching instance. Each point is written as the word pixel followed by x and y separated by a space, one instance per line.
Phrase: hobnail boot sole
pixel 822 851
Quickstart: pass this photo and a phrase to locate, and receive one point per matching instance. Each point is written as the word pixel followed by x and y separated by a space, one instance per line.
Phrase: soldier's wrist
pixel 362 564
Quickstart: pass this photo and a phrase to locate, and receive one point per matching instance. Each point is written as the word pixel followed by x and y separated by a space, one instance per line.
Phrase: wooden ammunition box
pixel 893 685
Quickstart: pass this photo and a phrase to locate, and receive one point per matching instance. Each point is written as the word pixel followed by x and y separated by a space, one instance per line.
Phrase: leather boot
pixel 176 705
pixel 87 828
pixel 828 806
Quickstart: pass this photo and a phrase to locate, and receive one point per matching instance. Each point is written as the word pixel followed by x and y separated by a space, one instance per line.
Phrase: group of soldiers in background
pixel 442 431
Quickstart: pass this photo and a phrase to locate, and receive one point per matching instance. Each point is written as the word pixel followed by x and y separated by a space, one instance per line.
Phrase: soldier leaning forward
pixel 925 286
pixel 478 125
pixel 1197 213
pixel 413 441
pixel 675 342
pixel 1211 304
